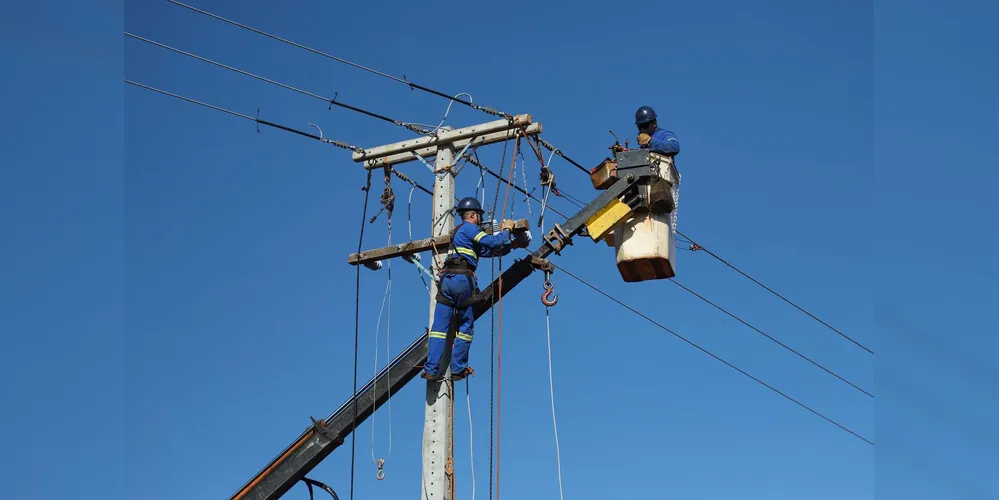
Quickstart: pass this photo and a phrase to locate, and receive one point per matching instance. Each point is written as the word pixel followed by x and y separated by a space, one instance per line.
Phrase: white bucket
pixel 645 247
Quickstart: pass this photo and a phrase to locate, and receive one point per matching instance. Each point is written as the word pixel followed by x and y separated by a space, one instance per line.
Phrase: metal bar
pixel 443 138
pixel 440 243
pixel 312 447
pixel 482 140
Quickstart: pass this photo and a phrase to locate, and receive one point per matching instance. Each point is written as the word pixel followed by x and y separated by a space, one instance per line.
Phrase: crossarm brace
pixel 438 243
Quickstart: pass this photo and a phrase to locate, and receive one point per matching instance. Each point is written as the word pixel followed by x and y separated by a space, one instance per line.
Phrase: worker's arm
pixel 494 245
pixel 665 142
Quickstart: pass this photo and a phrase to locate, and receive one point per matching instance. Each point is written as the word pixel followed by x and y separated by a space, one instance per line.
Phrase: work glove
pixel 643 139
pixel 507 224
pixel 521 239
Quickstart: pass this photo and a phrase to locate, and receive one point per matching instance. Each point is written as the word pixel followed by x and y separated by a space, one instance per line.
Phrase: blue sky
pixel 180 297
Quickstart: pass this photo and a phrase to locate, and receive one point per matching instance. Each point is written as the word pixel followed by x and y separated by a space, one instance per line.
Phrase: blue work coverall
pixel 471 243
pixel 665 142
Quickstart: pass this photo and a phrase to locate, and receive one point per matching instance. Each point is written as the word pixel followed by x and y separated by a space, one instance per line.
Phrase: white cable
pixel 471 449
pixel 388 340
pixel 551 385
pixel 439 125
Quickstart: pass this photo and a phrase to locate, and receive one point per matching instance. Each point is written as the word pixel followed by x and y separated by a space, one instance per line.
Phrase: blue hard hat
pixel 644 115
pixel 469 204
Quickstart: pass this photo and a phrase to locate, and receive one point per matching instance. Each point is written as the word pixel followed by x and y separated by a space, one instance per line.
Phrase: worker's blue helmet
pixel 644 115
pixel 469 204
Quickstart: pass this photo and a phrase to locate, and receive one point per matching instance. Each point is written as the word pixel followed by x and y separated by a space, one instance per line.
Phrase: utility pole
pixel 447 146
pixel 438 427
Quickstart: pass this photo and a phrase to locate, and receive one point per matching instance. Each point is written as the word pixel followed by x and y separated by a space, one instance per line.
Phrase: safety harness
pixel 456 264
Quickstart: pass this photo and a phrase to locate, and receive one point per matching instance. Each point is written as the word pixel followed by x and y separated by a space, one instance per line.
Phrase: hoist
pixel 635 213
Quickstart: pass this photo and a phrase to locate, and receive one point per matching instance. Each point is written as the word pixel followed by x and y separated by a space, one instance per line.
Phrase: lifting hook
pixel 549 297
pixel 381 471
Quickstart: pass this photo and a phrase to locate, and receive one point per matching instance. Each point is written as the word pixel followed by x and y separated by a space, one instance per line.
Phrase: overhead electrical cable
pixel 698 246
pixel 489 171
pixel 709 353
pixel 332 101
pixel 261 121
pixel 403 80
pixel 761 332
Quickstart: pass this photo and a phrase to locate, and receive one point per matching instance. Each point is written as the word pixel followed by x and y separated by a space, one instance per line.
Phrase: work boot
pixel 432 378
pixel 467 372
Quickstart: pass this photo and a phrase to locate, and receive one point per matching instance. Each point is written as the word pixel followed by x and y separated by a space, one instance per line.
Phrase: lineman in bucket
pixel 458 289
pixel 650 136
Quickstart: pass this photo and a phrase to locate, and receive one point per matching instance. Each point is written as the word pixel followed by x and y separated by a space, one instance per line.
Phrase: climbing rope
pixel 380 462
pixel 499 326
pixel 551 386
pixel 357 329
pixel 471 447
pixel 492 326
pixel 449 466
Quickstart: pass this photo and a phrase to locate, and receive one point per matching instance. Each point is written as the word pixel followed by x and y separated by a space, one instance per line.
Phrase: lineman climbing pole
pixel 447 146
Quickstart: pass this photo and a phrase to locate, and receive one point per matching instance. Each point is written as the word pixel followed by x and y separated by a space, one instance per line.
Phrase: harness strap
pixel 455 264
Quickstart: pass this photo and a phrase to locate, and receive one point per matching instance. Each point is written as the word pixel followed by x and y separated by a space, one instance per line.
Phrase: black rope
pixel 357 328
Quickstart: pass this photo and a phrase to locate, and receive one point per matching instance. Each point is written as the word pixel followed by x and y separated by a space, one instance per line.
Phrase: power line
pixel 403 80
pixel 761 332
pixel 709 353
pixel 698 246
pixel 455 98
pixel 332 101
pixel 559 152
pixel 489 171
pixel 261 121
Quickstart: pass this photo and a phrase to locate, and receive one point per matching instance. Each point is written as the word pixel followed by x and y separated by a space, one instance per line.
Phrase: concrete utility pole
pixel 438 425
pixel 438 463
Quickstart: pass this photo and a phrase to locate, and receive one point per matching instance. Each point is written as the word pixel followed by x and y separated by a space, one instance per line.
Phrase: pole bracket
pixel 557 238
pixel 320 428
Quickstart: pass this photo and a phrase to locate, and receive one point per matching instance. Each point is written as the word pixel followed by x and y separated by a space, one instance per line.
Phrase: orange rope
pixel 499 325
pixel 450 459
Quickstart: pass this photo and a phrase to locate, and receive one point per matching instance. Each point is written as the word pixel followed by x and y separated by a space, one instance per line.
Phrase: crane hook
pixel 381 471
pixel 549 298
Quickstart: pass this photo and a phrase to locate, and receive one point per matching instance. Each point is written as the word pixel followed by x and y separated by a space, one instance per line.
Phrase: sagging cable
pixel 559 152
pixel 258 120
pixel 402 80
pixel 332 101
